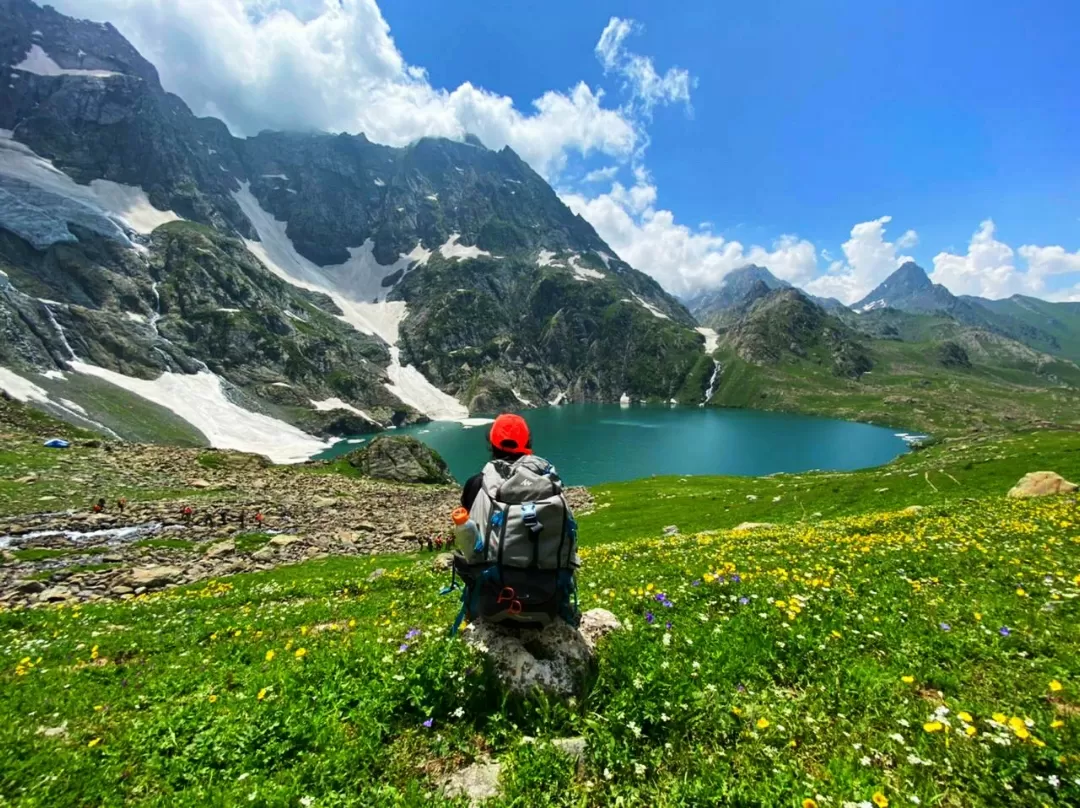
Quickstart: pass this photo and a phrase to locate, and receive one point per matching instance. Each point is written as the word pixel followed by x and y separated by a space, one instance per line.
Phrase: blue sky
pixel 791 128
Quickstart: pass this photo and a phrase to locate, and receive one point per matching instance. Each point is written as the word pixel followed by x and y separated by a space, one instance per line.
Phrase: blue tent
pixel 57 443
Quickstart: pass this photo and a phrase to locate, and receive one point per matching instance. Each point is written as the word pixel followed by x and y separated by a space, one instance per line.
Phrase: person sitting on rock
pixel 516 551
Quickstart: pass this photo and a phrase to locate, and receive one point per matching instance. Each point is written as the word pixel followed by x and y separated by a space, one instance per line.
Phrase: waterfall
pixel 717 368
pixel 59 329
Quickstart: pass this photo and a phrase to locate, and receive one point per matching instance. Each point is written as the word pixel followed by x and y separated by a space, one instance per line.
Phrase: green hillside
pixel 885 655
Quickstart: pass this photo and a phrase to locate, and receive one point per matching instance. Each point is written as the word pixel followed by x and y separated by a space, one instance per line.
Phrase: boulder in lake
pixel 400 459
pixel 1041 484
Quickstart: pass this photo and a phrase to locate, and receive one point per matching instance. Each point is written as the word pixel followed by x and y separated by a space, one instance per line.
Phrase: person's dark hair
pixel 510 457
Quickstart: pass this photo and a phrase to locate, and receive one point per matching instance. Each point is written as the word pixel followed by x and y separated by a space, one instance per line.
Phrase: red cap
pixel 510 434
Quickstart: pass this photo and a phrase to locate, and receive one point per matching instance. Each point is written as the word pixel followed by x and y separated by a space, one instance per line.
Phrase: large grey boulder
pixel 400 459
pixel 155 577
pixel 556 660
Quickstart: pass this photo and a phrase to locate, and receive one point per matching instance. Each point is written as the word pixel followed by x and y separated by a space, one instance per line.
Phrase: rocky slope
pixel 786 326
pixel 430 280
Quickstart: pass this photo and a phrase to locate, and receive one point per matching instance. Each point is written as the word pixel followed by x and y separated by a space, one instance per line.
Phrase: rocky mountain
pixel 909 288
pixel 719 307
pixel 1042 325
pixel 321 281
pixel 785 325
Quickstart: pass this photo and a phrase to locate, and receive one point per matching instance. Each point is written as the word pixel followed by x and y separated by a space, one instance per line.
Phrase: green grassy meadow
pixel 867 656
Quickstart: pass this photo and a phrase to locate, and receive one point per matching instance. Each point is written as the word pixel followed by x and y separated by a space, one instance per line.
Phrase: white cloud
pixel 606 174
pixel 333 65
pixel 908 240
pixel 987 269
pixel 647 87
pixel 683 260
pixel 870 259
pixel 1043 261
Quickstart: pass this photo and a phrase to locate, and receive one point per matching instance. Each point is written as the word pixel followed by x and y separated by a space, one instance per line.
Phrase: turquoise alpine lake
pixel 596 443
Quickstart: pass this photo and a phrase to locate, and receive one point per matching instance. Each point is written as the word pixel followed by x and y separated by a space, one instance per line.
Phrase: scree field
pixel 874 655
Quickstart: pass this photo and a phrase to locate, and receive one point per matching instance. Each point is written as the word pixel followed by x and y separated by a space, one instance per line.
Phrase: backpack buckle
pixel 529 517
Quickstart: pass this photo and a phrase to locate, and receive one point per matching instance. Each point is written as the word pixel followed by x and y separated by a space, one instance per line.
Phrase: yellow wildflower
pixel 762 723
pixel 270 655
pixel 94 652
pixel 970 730
pixel 1055 685
pixel 1020 592
pixel 880 800
pixel 964 716
pixel 809 803
pixel 736 710
pixel 93 743
pixel 1000 718
pixel 1037 742
pixel 300 653
pixel 213 698
pixel 262 694
pixel 907 680
pixel 1056 723
pixel 933 726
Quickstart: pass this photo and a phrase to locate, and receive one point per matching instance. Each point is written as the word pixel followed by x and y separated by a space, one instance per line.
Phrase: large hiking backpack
pixel 521 570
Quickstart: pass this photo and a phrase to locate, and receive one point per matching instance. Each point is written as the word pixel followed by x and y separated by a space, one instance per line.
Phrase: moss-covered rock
pixel 400 459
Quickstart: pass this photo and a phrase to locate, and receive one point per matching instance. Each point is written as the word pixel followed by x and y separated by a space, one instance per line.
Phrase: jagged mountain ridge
pixel 719 307
pixel 345 222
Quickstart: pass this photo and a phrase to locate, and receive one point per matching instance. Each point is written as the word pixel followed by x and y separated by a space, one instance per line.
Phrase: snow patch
pixel 71 405
pixel 607 259
pixel 583 273
pixel 6 134
pixel 877 304
pixel 648 306
pixel 277 253
pixel 453 251
pixel 471 422
pixel 22 389
pixel 520 398
pixel 546 258
pixel 275 177
pixel 280 384
pixel 409 384
pixel 39 62
pixel 132 206
pixel 135 317
pixel 358 279
pixel 229 311
pixel 379 183
pixel 201 401
pixel 337 404
pixel 712 339
pixel 432 197
pixel 55 375
pixel 559 399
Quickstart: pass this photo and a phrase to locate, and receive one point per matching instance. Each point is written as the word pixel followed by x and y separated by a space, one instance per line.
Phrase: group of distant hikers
pixel 515 537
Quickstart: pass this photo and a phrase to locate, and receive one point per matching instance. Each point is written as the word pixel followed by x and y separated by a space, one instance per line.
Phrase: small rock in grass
pixel 477 782
pixel 671 530
pixel 745 526
pixel 571 747
pixel 376 575
pixel 264 554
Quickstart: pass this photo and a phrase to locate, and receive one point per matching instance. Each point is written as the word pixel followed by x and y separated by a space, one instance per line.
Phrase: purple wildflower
pixel 740 688
pixel 660 597
pixel 649 617
pixel 736 578
pixel 1004 631
pixel 695 583
pixel 403 648
pixel 945 627
pixel 413 632
pixel 429 722
pixel 668 626
pixel 743 601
